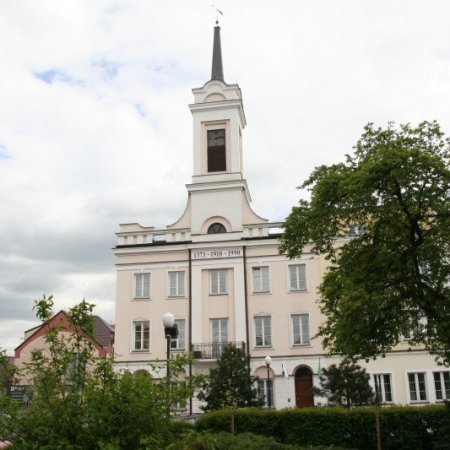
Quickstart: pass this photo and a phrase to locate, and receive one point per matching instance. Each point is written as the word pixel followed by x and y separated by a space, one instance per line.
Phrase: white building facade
pixel 217 269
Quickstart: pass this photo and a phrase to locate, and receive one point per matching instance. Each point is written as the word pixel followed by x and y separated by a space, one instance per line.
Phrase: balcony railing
pixel 213 350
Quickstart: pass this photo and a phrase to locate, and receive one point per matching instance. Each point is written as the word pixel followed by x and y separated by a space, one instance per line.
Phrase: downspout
pixel 247 333
pixel 190 323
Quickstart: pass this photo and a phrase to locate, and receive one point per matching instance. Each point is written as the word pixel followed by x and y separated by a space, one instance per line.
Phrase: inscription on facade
pixel 212 254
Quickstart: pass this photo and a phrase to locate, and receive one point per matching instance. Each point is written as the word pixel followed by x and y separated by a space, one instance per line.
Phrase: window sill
pixel 140 351
pixel 136 299
pixel 419 402
pixel 175 297
pixel 262 347
pixel 308 345
pixel 261 292
pixel 218 294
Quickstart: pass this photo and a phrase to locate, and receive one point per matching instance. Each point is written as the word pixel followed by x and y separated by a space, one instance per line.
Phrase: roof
pixel 103 333
pixel 217 68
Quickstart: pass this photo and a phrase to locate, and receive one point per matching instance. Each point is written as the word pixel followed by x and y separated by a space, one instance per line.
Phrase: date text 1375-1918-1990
pixel 219 253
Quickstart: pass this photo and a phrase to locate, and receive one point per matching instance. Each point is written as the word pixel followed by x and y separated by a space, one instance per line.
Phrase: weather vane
pixel 218 11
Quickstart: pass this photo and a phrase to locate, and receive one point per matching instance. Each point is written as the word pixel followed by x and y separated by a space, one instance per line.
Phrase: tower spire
pixel 217 68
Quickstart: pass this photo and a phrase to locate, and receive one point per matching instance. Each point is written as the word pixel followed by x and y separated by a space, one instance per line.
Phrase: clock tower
pixel 218 194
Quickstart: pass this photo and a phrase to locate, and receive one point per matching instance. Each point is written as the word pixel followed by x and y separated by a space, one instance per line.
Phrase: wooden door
pixel 304 388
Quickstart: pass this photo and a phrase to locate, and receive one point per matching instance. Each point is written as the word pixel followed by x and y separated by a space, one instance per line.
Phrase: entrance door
pixel 304 387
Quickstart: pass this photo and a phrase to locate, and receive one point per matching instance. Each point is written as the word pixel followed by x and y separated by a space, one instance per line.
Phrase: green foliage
pixel 402 428
pixel 79 402
pixel 227 441
pixel 230 385
pixel 392 278
pixel 345 385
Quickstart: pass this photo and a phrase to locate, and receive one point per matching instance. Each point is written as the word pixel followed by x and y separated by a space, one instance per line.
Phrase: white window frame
pixel 222 330
pixel 261 279
pixel 179 343
pixel 301 326
pixel 220 337
pixel 266 322
pixel 445 390
pixel 178 288
pixel 134 330
pixel 220 277
pixel 297 287
pixel 380 382
pixel 416 383
pixel 263 387
pixel 139 286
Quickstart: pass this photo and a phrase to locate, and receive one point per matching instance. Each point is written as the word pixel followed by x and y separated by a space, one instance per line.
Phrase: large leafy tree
pixel 345 385
pixel 230 384
pixel 391 278
pixel 79 402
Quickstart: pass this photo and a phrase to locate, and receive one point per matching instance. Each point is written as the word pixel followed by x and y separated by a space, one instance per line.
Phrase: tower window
pixel 216 151
pixel 216 228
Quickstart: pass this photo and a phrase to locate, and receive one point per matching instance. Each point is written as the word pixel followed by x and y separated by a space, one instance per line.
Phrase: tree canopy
pixel 230 384
pixel 79 402
pixel 345 385
pixel 391 278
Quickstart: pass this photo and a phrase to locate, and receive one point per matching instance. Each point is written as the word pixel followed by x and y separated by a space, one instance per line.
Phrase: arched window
pixel 216 228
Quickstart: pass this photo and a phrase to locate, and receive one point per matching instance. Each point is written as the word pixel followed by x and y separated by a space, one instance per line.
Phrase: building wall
pixel 248 244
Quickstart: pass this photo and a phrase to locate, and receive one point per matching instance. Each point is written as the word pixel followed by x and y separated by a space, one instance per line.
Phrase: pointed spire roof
pixel 217 68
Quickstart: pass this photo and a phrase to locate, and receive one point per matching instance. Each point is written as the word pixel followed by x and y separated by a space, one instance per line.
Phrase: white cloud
pixel 95 129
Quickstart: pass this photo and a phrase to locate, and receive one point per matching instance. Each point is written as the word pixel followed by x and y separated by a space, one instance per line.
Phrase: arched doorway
pixel 304 387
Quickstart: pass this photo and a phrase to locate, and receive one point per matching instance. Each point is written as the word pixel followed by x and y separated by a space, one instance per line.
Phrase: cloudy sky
pixel 95 129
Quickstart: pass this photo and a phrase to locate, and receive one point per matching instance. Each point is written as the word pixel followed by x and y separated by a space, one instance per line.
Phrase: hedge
pixel 401 428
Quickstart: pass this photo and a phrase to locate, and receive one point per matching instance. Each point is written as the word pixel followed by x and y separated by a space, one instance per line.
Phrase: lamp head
pixel 168 320
pixel 268 360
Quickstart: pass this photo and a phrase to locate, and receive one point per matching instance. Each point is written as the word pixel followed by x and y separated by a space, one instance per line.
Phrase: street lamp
pixel 268 361
pixel 170 331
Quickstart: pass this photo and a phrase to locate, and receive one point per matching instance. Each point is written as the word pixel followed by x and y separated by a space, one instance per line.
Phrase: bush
pixel 400 427
pixel 227 441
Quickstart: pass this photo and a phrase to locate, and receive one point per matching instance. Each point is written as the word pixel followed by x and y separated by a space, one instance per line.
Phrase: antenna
pixel 218 11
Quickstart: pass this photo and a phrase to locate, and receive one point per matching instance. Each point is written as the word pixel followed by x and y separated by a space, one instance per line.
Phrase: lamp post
pixel 268 361
pixel 170 331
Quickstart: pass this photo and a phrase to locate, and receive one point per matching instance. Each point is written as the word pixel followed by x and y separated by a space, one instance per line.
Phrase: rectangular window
pixel 179 343
pixel 297 277
pixel 300 329
pixel 383 387
pixel 217 161
pixel 141 331
pixel 417 387
pixel 263 331
pixel 219 336
pixel 442 385
pixel 141 285
pixel 261 279
pixel 265 388
pixel 218 281
pixel 176 284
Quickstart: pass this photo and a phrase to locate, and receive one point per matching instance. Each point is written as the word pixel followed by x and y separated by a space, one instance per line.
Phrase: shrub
pixel 400 427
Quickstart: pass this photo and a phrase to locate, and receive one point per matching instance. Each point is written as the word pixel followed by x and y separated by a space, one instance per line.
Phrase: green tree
pixel 392 277
pixel 80 402
pixel 345 385
pixel 230 384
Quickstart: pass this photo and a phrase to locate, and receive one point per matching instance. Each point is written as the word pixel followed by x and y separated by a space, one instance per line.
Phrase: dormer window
pixel 216 151
pixel 216 228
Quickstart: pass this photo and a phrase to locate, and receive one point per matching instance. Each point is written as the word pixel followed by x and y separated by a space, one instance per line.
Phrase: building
pixel 218 270
pixel 102 339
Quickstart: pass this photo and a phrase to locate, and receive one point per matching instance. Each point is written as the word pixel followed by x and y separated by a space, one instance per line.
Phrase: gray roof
pixel 103 332
pixel 217 68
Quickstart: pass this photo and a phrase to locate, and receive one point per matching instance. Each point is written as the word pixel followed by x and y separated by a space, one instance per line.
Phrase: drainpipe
pixel 247 333
pixel 190 322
